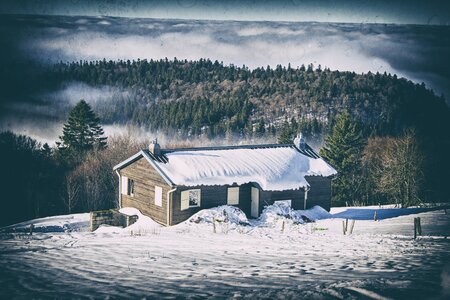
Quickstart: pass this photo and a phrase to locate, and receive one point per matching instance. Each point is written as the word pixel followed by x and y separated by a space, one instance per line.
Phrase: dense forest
pixel 387 136
pixel 205 97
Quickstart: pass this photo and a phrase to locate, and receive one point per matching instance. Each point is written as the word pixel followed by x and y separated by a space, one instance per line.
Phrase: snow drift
pixel 221 214
pixel 281 211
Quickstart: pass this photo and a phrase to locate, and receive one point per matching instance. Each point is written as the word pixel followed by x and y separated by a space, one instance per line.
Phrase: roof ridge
pixel 257 146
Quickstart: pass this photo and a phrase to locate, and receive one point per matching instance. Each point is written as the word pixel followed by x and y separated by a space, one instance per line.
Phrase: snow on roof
pixel 273 168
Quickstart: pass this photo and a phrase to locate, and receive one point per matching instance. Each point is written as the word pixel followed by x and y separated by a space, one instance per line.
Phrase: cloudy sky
pixel 434 12
pixel 417 52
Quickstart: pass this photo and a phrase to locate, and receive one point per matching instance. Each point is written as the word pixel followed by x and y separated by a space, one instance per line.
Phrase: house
pixel 170 185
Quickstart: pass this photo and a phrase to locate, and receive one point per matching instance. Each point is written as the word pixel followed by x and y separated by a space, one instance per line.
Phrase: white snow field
pixel 275 256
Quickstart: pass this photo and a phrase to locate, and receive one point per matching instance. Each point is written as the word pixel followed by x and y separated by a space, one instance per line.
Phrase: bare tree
pixel 401 176
pixel 93 185
pixel 72 191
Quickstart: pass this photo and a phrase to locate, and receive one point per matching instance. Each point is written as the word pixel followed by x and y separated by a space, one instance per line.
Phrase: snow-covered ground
pixel 276 256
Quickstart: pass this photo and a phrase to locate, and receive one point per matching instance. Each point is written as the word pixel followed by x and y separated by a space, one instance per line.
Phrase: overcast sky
pixel 435 12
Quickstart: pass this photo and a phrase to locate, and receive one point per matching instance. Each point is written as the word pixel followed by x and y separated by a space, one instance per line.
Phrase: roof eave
pixel 128 161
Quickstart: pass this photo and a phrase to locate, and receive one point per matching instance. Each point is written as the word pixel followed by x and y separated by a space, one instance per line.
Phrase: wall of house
pixel 320 192
pixel 269 197
pixel 211 196
pixel 145 179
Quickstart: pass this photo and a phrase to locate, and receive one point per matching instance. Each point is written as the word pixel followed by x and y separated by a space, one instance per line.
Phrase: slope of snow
pixel 368 213
pixel 65 223
pixel 277 168
pixel 313 260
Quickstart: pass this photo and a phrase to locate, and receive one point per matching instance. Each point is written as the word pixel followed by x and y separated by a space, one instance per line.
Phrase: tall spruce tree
pixel 343 150
pixel 81 133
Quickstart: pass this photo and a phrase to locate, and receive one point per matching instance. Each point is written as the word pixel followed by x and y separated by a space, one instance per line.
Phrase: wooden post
pixel 282 227
pixel 344 226
pixel 351 227
pixel 415 228
pixel 31 229
pixel 214 225
pixel 419 227
pixel 375 216
pixel 91 221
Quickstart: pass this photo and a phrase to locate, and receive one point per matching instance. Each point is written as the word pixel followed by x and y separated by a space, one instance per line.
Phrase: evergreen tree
pixel 343 150
pixel 81 133
pixel 260 128
pixel 286 135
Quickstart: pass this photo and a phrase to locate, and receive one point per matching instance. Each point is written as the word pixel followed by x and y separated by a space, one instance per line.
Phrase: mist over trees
pixel 206 97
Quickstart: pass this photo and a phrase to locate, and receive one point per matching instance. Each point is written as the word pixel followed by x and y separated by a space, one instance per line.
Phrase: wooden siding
pixel 145 178
pixel 211 196
pixel 320 192
pixel 297 198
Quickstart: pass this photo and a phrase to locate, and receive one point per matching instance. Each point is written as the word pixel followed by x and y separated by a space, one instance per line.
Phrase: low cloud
pixel 419 53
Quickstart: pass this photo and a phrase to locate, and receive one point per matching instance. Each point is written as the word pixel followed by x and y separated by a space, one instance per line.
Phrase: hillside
pixel 202 96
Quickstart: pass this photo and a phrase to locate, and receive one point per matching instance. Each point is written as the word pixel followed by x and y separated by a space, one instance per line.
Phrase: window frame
pixel 233 191
pixel 186 196
pixel 158 195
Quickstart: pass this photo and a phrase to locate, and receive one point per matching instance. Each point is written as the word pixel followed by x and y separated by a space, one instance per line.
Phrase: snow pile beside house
pixel 272 214
pixel 221 214
pixel 273 168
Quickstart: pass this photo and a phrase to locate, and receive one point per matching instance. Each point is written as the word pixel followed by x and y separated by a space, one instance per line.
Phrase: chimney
pixel 154 148
pixel 300 142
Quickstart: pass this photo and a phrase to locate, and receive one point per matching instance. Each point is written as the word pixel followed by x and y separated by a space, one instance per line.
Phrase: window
pixel 158 195
pixel 130 187
pixel 127 187
pixel 190 198
pixel 233 196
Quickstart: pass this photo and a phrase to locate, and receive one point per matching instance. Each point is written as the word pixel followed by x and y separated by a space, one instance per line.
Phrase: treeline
pixel 74 176
pixel 205 97
pixel 377 170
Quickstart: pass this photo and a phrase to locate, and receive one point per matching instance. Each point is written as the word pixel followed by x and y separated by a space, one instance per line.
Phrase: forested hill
pixel 208 97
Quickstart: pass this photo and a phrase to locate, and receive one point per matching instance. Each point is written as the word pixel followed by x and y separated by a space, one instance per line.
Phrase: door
pixel 255 202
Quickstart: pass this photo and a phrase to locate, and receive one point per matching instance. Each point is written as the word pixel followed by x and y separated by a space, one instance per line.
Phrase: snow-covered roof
pixel 273 167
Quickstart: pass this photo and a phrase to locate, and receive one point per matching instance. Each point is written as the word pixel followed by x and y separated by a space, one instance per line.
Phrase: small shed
pixel 170 185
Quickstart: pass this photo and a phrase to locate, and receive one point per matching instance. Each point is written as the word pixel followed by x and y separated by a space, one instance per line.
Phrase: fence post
pixel 375 216
pixel 345 226
pixel 351 227
pixel 417 228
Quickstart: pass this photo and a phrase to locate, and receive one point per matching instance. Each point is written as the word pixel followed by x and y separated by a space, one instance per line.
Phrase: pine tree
pixel 343 150
pixel 82 132
pixel 286 135
pixel 260 128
